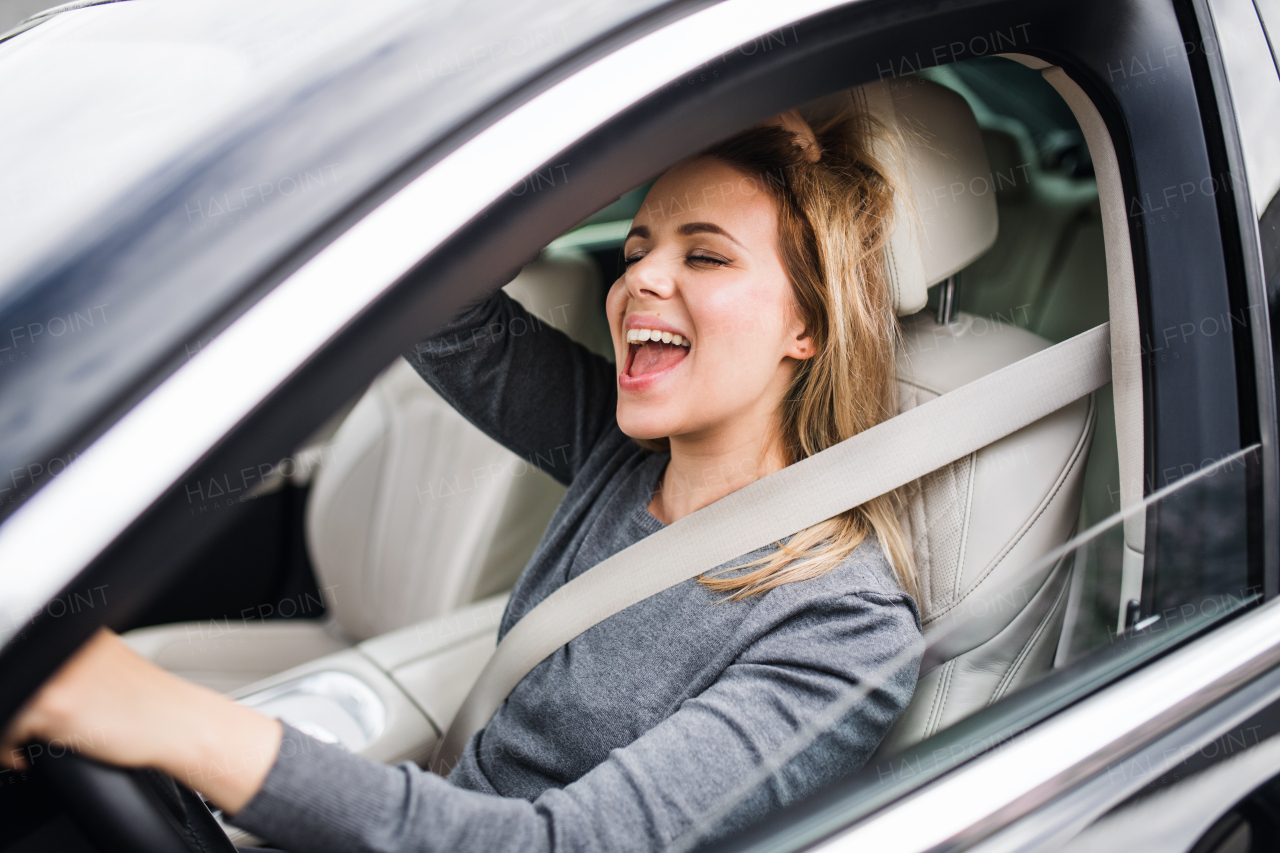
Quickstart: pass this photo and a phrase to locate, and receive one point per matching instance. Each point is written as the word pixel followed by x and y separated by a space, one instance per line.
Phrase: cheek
pixel 742 323
pixel 614 303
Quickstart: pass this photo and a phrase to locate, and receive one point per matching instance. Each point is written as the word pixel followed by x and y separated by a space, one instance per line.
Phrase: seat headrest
pixel 950 219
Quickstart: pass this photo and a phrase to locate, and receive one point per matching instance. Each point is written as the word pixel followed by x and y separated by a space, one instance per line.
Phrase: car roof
pixel 214 146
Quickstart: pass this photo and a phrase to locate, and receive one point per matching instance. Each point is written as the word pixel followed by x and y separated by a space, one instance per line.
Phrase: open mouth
pixel 651 351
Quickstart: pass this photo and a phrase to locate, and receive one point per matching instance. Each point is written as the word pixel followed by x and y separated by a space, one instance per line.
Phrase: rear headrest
pixel 950 219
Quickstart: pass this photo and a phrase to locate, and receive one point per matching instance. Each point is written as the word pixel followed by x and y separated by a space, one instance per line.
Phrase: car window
pixel 1202 530
pixel 1046 274
pixel 1045 279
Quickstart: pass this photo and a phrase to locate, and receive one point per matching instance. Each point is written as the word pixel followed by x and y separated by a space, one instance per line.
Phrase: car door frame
pixel 337 343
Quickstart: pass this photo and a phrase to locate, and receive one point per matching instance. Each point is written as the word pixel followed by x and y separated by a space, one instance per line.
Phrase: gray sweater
pixel 682 716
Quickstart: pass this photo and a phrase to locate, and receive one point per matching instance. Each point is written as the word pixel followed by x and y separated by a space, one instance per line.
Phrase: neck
pixel 706 467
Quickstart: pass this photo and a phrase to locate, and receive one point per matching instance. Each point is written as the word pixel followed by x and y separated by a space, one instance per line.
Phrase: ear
pixel 801 347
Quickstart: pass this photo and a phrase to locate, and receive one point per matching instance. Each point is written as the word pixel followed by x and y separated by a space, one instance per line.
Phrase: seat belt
pixel 871 463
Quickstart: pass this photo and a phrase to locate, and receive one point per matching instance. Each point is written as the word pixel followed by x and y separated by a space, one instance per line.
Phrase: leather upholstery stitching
pixel 964 529
pixel 1025 653
pixel 1026 528
pixel 939 699
pixel 909 381
pixel 893 277
pixel 1085 435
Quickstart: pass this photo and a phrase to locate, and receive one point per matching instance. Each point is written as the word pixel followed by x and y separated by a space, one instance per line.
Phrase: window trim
pixel 1255 286
pixel 1245 72
pixel 1149 767
pixel 1052 758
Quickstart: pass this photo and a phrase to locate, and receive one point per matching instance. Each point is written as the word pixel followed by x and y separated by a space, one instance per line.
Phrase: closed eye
pixel 706 259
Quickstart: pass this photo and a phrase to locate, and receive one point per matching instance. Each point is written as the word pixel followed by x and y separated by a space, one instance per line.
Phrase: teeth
pixel 638 336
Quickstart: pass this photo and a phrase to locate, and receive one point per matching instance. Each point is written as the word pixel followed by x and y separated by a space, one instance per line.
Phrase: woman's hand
pixel 109 703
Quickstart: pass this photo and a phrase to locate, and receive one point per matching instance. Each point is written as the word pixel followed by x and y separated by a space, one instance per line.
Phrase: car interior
pixel 354 587
pixel 357 590
pixel 413 524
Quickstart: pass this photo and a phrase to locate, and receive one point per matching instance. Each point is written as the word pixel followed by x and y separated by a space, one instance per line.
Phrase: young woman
pixel 752 328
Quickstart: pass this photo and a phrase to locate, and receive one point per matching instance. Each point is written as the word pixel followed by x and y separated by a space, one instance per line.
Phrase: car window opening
pixel 375 567
pixel 1044 276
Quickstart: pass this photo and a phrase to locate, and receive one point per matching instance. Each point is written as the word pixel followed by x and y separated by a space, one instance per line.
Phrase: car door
pixel 422 238
pixel 1141 764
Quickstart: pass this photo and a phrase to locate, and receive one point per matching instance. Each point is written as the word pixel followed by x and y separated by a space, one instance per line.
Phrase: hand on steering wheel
pixel 108 704
pixel 129 811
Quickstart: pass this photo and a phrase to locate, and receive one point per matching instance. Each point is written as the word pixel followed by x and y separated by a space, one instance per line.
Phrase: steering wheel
pixel 131 811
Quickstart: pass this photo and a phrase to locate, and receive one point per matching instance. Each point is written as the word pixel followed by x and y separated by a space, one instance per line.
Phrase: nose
pixel 649 278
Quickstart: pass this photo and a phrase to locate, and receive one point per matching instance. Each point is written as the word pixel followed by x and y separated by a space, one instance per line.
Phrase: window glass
pixel 1269 237
pixel 1046 274
pixel 1201 533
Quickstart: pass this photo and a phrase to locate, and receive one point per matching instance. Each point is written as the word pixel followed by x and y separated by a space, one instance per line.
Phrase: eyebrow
pixel 691 228
pixel 686 230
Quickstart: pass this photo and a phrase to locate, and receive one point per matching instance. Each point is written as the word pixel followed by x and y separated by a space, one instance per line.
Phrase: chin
pixel 644 426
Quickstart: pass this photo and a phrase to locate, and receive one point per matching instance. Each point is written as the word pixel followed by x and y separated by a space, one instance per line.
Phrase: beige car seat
pixel 1047 271
pixel 412 514
pixel 977 525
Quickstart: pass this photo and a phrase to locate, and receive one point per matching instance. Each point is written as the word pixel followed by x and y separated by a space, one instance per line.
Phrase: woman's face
pixel 704 271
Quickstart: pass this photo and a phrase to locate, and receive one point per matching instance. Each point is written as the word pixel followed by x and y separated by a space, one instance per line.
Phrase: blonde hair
pixel 835 218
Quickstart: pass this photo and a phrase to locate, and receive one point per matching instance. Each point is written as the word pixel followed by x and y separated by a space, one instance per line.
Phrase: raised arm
pixel 725 757
pixel 524 383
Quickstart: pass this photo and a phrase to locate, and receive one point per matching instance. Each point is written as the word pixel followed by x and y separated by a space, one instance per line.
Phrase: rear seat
pixel 1049 252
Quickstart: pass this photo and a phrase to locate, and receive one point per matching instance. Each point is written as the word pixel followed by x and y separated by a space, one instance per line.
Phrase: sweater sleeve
pixel 804 705
pixel 523 383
